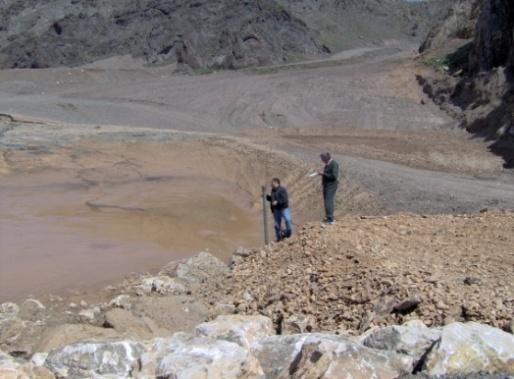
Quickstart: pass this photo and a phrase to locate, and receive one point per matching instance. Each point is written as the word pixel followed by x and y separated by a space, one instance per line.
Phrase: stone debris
pixel 363 273
pixel 323 304
pixel 121 301
pixel 162 285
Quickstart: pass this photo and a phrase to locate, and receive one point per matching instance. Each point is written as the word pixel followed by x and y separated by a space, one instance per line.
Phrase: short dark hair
pixel 325 157
pixel 276 180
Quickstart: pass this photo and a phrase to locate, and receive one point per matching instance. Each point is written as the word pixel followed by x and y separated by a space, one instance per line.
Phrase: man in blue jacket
pixel 280 208
pixel 330 182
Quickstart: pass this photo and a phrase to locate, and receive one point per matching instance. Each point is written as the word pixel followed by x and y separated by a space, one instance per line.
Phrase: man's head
pixel 275 182
pixel 325 157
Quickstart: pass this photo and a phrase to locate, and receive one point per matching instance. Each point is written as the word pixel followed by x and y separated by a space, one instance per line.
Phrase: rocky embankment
pixel 237 346
pixel 383 297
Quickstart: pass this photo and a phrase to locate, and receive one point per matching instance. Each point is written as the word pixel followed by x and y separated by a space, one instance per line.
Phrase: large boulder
pixel 94 359
pixel 326 356
pixel 243 330
pixel 470 348
pixel 185 356
pixel 413 338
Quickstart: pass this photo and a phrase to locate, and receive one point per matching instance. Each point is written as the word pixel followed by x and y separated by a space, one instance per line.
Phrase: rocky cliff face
pixel 480 90
pixel 199 34
pixel 493 44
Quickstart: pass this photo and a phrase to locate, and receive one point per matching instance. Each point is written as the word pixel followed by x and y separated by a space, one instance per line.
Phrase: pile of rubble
pixel 380 271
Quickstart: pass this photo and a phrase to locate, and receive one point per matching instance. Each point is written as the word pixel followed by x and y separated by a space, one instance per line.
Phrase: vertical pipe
pixel 265 216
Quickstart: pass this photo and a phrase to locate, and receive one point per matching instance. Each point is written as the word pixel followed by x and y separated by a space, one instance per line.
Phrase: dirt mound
pixel 384 270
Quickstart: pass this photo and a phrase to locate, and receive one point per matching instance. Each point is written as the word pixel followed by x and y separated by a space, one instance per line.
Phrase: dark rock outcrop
pixel 200 34
pixel 494 39
pixel 205 34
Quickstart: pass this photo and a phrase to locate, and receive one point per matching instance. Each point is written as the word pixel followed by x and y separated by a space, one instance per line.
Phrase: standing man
pixel 330 181
pixel 280 208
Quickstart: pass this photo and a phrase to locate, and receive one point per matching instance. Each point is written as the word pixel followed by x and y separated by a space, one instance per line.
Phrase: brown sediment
pixel 77 217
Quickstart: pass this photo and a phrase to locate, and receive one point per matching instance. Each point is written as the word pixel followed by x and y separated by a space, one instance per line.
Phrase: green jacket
pixel 331 174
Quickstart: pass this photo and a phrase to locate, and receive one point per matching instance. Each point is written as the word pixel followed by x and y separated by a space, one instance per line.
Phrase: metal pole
pixel 265 216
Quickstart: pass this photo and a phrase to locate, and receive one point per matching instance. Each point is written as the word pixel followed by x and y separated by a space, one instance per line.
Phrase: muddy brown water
pixel 58 235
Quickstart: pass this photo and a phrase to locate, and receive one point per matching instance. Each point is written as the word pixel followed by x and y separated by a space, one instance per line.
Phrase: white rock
pixel 188 357
pixel 413 338
pixel 470 348
pixel 121 301
pixel 93 359
pixel 9 310
pixel 243 330
pixel 38 359
pixel 163 285
pixel 89 315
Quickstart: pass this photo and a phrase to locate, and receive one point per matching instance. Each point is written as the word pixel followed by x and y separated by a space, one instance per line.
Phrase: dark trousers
pixel 329 194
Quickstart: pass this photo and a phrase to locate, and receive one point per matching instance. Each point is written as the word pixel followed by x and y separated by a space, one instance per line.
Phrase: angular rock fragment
pixel 471 348
pixel 412 338
pixel 94 359
pixel 326 356
pixel 243 330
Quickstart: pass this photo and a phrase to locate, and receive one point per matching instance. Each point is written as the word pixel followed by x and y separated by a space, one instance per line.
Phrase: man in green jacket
pixel 330 181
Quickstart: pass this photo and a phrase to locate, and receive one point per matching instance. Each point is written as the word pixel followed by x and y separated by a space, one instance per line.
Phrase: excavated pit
pixel 79 216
